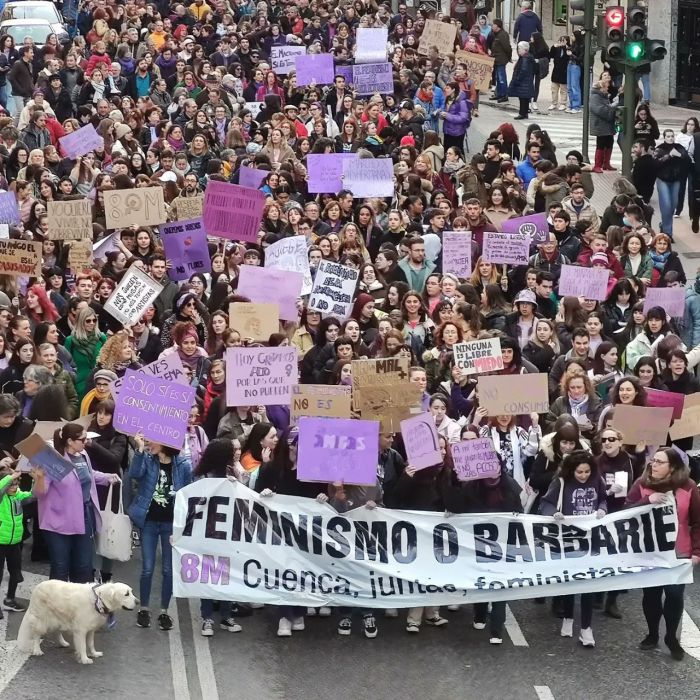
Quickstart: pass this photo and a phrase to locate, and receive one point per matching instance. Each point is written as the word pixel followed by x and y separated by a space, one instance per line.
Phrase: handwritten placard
pixel 80 142
pixel 457 253
pixel 251 177
pixel 513 394
pixel 369 78
pixel 477 356
pixel 232 211
pixel 475 459
pixel 19 258
pixel 642 423
pixel 185 244
pixel 253 320
pixel 143 206
pixel 189 207
pixel 442 35
pixel 509 248
pixel 658 398
pixel 133 295
pixel 260 376
pixel 670 299
pixel 334 289
pixel 80 256
pixel 283 58
pixel 369 177
pixel 320 400
pixel 533 225
pixel 70 219
pixel 420 439
pixel 291 254
pixel 167 367
pixel 40 454
pixel 687 424
pixel 586 282
pixel 479 67
pixel 272 286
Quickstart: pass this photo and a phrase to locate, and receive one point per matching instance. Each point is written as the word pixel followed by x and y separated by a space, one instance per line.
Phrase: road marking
pixel 513 629
pixel 205 666
pixel 181 690
pixel 543 692
pixel 690 636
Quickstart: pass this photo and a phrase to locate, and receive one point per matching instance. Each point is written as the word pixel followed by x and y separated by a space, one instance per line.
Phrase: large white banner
pixel 232 544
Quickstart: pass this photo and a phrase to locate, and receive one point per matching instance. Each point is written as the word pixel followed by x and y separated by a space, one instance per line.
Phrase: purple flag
pixel 670 299
pixel 475 459
pixel 269 285
pixel 420 439
pixel 586 282
pixel 260 376
pixel 534 225
pixel 338 449
pixel 251 177
pixel 325 170
pixel 185 244
pixel 315 68
pixel 232 211
pixel 80 142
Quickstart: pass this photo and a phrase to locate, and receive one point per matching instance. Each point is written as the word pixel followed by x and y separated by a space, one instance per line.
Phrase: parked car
pixel 18 29
pixel 36 9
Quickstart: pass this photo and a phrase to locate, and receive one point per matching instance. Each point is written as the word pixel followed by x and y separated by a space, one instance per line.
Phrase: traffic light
pixel 578 6
pixel 655 49
pixel 614 32
pixel 636 24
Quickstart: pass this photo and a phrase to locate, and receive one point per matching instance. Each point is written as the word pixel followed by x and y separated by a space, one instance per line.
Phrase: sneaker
pixel 298 624
pixel 519 116
pixel 676 216
pixel 453 608
pixel 370 626
pixel 311 612
pixel 436 621
pixel 674 646
pixel 479 625
pixel 345 626
pixel 576 111
pixel 648 643
pixel 207 628
pixel 165 622
pixel 551 107
pixel 324 611
pixel 586 637
pixel 534 107
pixel 501 100
pixel 567 627
pixel 285 628
pixel 143 618
pixel 391 613
pixel 562 108
pixel 12 605
pixel 230 625
pixel 494 639
pixel 413 627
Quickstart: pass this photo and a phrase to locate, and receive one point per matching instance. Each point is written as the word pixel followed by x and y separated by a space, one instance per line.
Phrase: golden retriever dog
pixel 78 608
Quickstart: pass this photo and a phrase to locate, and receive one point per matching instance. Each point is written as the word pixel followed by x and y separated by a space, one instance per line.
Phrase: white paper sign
pixel 334 289
pixel 291 254
pixel 371 44
pixel 283 58
pixel 134 294
pixel 369 177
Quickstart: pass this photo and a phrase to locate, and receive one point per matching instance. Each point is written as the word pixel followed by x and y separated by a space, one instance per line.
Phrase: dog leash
pixel 102 609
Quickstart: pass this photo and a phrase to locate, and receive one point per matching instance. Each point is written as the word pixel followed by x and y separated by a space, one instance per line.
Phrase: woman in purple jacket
pixel 456 116
pixel 69 511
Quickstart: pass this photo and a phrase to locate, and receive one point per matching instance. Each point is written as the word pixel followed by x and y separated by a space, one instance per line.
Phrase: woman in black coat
pixel 560 64
pixel 522 83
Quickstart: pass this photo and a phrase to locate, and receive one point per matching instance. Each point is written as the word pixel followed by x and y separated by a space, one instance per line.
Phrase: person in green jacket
pixel 84 344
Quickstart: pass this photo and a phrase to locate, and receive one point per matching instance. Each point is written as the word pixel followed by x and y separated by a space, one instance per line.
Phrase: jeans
pixel 498 616
pixel 645 79
pixel 681 195
pixel 668 198
pixel 71 555
pixel 206 607
pixel 671 609
pixel 573 85
pixel 501 81
pixel 151 532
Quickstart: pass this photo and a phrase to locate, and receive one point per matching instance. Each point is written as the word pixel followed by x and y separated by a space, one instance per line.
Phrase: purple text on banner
pixel 369 78
pixel 168 367
pixel 457 253
pixel 9 209
pixel 269 285
pixel 232 211
pixel 508 248
pixel 420 439
pixel 586 282
pixel 475 459
pixel 315 68
pixel 326 170
pixel 186 246
pixel 338 449
pixel 251 177
pixel 155 407
pixel 533 225
pixel 80 142
pixel 670 299
pixel 664 399
pixel 260 376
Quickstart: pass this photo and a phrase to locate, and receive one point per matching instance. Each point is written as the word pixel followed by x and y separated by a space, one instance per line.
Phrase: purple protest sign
pixel 665 399
pixel 315 68
pixel 80 142
pixel 586 282
pixel 9 209
pixel 534 225
pixel 185 244
pixel 260 376
pixel 269 285
pixel 420 439
pixel 346 72
pixel 508 248
pixel 325 171
pixel 156 407
pixel 475 459
pixel 232 211
pixel 168 367
pixel 369 78
pixel 670 299
pixel 338 449
pixel 251 177
pixel 457 253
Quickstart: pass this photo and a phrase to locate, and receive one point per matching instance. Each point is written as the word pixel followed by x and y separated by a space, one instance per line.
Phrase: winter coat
pixel 501 49
pixel 84 364
pixel 64 379
pixel 671 168
pixel 458 116
pixel 602 114
pixel 644 270
pixel 562 405
pixel 560 64
pixel 690 333
pixel 525 25
pixel 11 517
pixel 522 83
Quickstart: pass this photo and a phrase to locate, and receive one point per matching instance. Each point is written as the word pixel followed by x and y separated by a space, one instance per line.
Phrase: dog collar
pixel 99 604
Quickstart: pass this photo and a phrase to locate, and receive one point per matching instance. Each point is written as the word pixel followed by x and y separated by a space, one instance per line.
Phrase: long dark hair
pixel 216 458
pixel 575 459
pixel 254 442
pixel 69 431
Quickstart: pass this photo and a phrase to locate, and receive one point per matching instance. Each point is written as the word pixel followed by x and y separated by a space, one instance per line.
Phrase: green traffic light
pixel 635 50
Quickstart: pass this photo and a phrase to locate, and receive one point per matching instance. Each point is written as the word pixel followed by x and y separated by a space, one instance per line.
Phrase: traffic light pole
pixel 587 65
pixel 628 133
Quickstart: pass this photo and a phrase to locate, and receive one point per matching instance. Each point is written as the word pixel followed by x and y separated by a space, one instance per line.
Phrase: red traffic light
pixel 615 17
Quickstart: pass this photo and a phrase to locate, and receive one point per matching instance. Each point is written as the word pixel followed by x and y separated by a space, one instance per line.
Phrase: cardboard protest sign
pixel 185 245
pixel 337 449
pixel 133 295
pixel 69 219
pixel 9 209
pixel 143 206
pixel 291 254
pixel 508 248
pixel 457 253
pixel 253 320
pixel 660 399
pixel 156 407
pixel 513 394
pixel 272 286
pixel 232 211
pixel 420 439
pixel 260 376
pixel 320 400
pixel 477 356
pixel 80 255
pixel 688 425
pixel 251 177
pixel 168 367
pixel 642 423
pixel 369 78
pixel 586 282
pixel 475 459
pixel 533 225
pixel 189 207
pixel 45 429
pixel 334 289
pixel 283 58
pixel 326 171
pixel 316 68
pixel 479 67
pixel 670 299
pixel 371 44
pixel 80 142
pixel 369 177
pixel 20 258
pixel 442 35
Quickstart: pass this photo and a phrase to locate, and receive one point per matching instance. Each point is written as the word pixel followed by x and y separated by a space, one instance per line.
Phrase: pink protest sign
pixel 251 177
pixel 586 282
pixel 475 459
pixel 80 142
pixel 457 253
pixel 508 248
pixel 338 449
pixel 665 399
pixel 260 376
pixel 270 285
pixel 326 171
pixel 533 225
pixel 420 439
pixel 232 211
pixel 670 299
